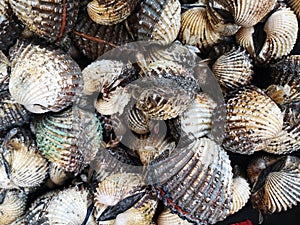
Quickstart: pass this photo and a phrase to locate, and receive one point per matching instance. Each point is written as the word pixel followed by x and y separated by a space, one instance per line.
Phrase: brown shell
pixel 252 121
pixel 48 19
pixel 13 203
pixel 110 12
pixel 233 69
pixel 93 39
pixel 4 75
pixel 196 30
pixel 44 79
pixel 244 38
pixel 295 5
pixel 10 27
pixel 57 175
pixel 247 13
pixel 277 184
pixel 195 181
pixel 281 29
pixel 159 20
pixel 70 138
pixel 138 122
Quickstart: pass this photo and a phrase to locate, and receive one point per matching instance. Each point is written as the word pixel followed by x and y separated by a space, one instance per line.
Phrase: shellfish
pixel 166 217
pixel 295 5
pixel 4 75
pixel 44 79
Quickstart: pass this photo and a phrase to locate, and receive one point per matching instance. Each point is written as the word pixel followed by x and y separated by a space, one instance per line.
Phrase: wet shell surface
pixel 21 165
pixel 159 20
pixel 240 193
pixel 196 30
pixel 12 206
pixel 10 27
pixel 44 79
pixel 48 19
pixel 281 29
pixel 276 186
pixel 70 138
pixel 11 113
pixel 233 69
pixel 110 12
pixel 195 181
pixel 166 217
pixel 252 120
pixel 247 13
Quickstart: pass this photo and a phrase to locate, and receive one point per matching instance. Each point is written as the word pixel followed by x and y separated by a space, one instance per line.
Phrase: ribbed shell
pixel 10 27
pixel 159 20
pixel 65 207
pixel 22 166
pixel 247 13
pixel 4 76
pixel 252 120
pixel 233 69
pixel 137 121
pixel 196 30
pixel 244 38
pixel 240 194
pixel 43 79
pixel 116 187
pixel 57 175
pixel 195 181
pixel 197 119
pixel 281 29
pixel 166 217
pixel 93 39
pixel 110 12
pixel 47 18
pixel 70 138
pixel 295 5
pixel 12 206
pixel 279 189
pixel 11 113
pixel 97 213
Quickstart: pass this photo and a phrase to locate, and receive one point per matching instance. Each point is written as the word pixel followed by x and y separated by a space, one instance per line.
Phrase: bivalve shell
pixel 295 5
pixel 43 79
pixel 166 217
pixel 4 75
pixel 240 194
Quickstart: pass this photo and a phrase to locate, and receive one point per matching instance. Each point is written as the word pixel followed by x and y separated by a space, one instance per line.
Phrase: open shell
pixel 48 19
pixel 44 79
pixel 281 29
pixel 159 20
pixel 70 138
pixel 110 12
pixel 277 185
pixel 252 120
pixel 195 181
pixel 233 69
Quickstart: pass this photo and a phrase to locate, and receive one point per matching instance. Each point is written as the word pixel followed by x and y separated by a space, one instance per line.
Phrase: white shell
pixel 240 194
pixel 166 217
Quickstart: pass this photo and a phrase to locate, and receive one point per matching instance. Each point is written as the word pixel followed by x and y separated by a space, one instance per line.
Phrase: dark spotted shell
pixel 70 138
pixel 93 39
pixel 48 19
pixel 4 74
pixel 10 28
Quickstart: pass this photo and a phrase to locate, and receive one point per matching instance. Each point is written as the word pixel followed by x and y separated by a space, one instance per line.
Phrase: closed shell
pixel 166 217
pixel 244 37
pixel 43 79
pixel 281 29
pixel 252 120
pixel 195 181
pixel 247 13
pixel 48 19
pixel 4 75
pixel 70 138
pixel 159 20
pixel 110 12
pixel 295 5
pixel 233 69
pixel 13 203
pixel 137 121
pixel 240 194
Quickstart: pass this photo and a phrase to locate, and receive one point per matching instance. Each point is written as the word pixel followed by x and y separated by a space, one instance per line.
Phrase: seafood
pixel 167 217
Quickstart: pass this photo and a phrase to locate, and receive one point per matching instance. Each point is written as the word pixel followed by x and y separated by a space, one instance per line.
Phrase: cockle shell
pixel 252 121
pixel 12 205
pixel 166 217
pixel 21 165
pixel 10 27
pixel 57 175
pixel 196 30
pixel 138 122
pixel 11 113
pixel 247 13
pixel 240 193
pixel 43 79
pixel 65 207
pixel 295 5
pixel 93 39
pixel 4 75
pixel 48 19
pixel 233 69
pixel 110 12
pixel 195 181
pixel 70 138
pixel 244 37
pixel 159 20
pixel 276 186
pixel 281 29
